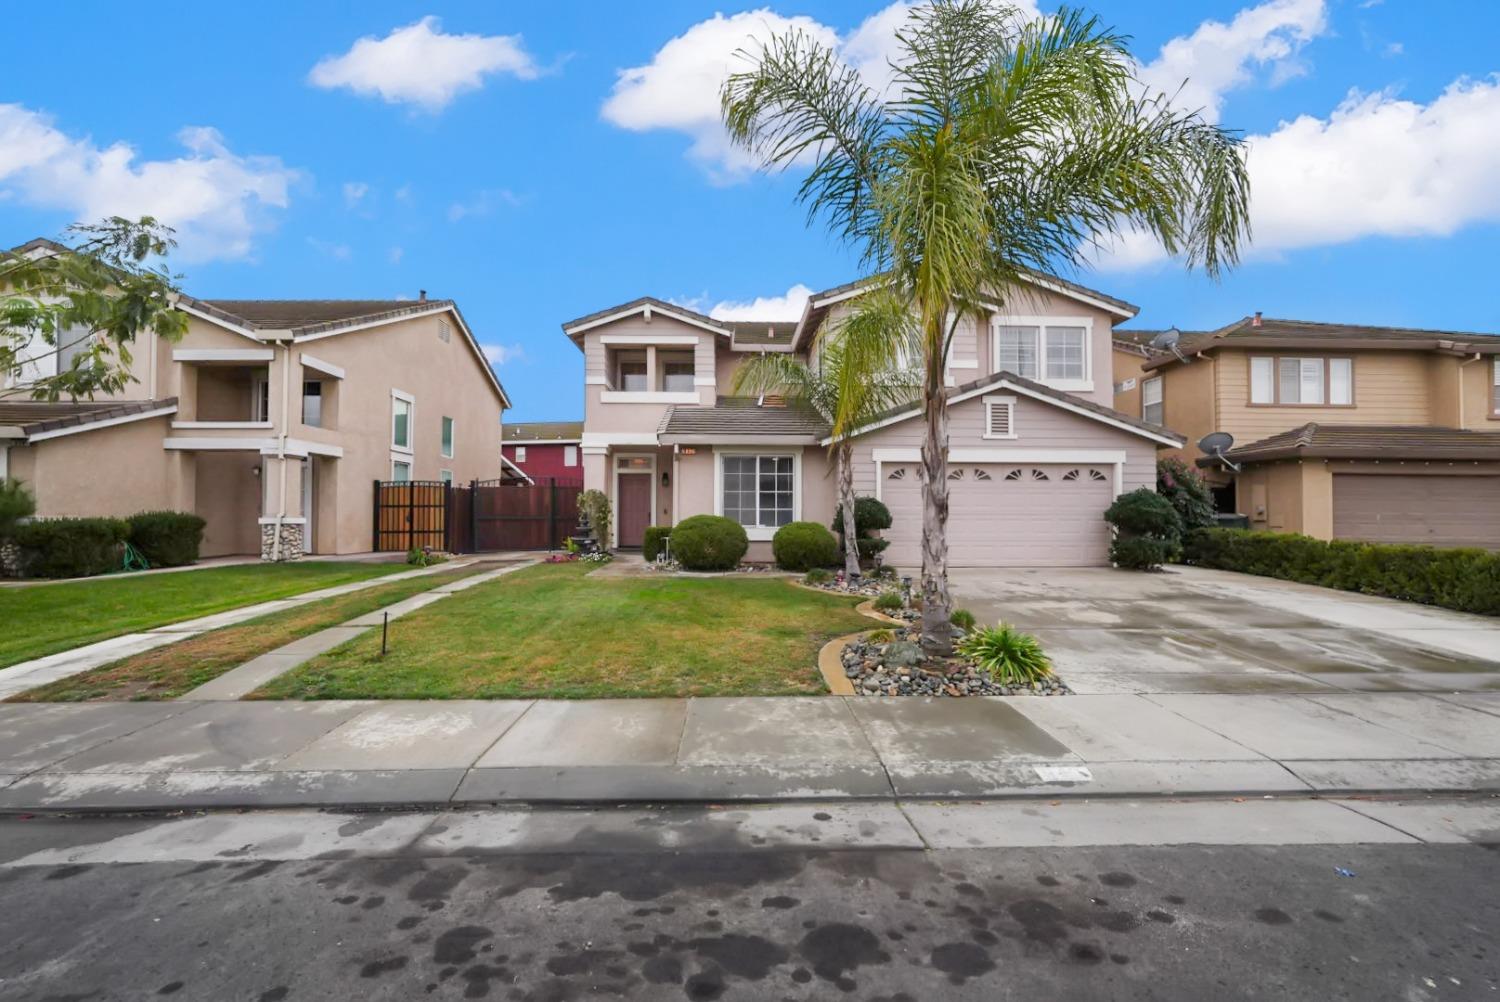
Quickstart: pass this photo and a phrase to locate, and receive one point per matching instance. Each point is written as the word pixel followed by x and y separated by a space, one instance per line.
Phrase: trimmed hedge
pixel 709 543
pixel 655 541
pixel 16 502
pixel 1467 580
pixel 70 547
pixel 1149 530
pixel 166 538
pixel 801 546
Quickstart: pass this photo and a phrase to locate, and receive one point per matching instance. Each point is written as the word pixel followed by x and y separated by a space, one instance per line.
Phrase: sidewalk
pixel 166 756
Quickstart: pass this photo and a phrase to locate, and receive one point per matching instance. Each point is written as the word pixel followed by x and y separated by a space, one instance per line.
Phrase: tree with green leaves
pixel 1003 146
pixel 86 302
pixel 854 377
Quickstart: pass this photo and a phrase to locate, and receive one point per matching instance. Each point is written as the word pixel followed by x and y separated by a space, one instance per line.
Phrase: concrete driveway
pixel 1187 629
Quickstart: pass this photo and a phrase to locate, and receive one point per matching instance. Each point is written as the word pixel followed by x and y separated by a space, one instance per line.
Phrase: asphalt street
pixel 655 905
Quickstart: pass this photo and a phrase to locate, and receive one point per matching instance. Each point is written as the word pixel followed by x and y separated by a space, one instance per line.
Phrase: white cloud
pixel 354 192
pixel 501 354
pixel 419 65
pixel 483 204
pixel 218 200
pixel 784 307
pixel 394 255
pixel 1217 58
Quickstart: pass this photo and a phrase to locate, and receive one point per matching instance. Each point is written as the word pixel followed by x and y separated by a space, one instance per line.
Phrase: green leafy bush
pixel 709 543
pixel 1009 655
pixel 880 636
pixel 16 502
pixel 801 546
pixel 594 505
pixel 1148 530
pixel 888 601
pixel 70 547
pixel 166 538
pixel 655 541
pixel 1181 485
pixel 870 515
pixel 1467 580
pixel 818 576
pixel 962 618
pixel 419 557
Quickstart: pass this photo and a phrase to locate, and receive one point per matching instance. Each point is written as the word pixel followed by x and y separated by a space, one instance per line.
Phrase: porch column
pixel 281 520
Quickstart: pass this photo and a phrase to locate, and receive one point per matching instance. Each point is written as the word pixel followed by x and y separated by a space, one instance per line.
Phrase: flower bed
pixel 898 667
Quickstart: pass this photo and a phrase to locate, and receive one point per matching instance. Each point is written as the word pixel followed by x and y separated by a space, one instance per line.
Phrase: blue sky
pixel 529 179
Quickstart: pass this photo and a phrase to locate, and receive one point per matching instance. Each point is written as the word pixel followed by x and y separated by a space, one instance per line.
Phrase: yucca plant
pixel 1010 656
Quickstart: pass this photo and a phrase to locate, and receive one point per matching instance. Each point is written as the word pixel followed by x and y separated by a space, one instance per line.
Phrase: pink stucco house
pixel 1036 451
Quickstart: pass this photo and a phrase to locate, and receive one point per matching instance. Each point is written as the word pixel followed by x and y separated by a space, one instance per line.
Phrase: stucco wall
pixel 228 499
pixel 117 470
pixel 615 417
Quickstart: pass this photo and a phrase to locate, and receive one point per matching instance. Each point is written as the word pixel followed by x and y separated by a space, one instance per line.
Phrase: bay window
pixel 1302 381
pixel 1052 350
pixel 758 491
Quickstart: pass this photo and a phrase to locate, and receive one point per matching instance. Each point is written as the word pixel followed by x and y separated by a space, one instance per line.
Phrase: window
pixel 759 490
pixel 1052 352
pixel 312 403
pixel 676 372
pixel 446 476
pixel 570 455
pixel 1305 381
pixel 1495 399
pixel 520 453
pixel 447 438
pixel 260 399
pixel 400 421
pixel 630 372
pixel 72 342
pixel 1151 409
pixel 400 471
pixel 999 417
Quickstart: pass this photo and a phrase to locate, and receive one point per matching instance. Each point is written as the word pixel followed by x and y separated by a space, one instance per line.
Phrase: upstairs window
pixel 676 372
pixel 1018 350
pixel 630 372
pixel 570 455
pixel 447 442
pixel 1050 352
pixel 520 453
pixel 1151 408
pixel 312 403
pixel 1302 381
pixel 401 407
pixel 1495 397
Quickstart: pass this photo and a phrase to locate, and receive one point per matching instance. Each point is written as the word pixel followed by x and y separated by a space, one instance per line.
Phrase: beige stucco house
pixel 271 419
pixel 1341 431
pixel 1037 452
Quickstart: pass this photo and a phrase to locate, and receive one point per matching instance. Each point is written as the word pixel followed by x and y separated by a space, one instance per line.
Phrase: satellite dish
pixel 1166 338
pixel 1215 444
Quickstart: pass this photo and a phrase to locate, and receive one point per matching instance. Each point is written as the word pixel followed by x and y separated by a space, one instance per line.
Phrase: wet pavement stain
pixel 1272 916
pixel 837 948
pixel 459 945
pixel 962 961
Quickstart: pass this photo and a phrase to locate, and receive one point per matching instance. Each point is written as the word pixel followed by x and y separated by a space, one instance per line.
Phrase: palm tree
pixel 854 377
pixel 1003 146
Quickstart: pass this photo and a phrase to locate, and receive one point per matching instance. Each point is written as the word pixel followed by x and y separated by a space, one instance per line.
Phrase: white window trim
pixel 1000 400
pixel 452 436
pixel 570 455
pixel 1084 385
pixel 520 451
pixel 236 425
pixel 614 462
pixel 446 476
pixel 1155 381
pixel 758 533
pixel 647 397
pixel 1494 398
pixel 406 462
pixel 411 423
pixel 318 365
pixel 676 340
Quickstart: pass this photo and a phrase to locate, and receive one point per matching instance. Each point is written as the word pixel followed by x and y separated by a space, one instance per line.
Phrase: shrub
pixel 16 503
pixel 419 557
pixel 880 636
pixel 870 515
pixel 655 541
pixel 1184 488
pixel 166 538
pixel 1139 553
pixel 962 618
pixel 868 546
pixel 70 547
pixel 818 576
pixel 1010 656
pixel 1467 580
pixel 888 601
pixel 594 506
pixel 709 543
pixel 801 546
pixel 1148 530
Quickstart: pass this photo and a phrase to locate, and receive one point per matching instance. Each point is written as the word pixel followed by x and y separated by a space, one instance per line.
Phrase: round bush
pixel 1144 512
pixel 1139 553
pixel 166 538
pixel 709 543
pixel 801 546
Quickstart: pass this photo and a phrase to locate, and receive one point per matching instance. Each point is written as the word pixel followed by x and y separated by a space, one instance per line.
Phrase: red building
pixel 543 449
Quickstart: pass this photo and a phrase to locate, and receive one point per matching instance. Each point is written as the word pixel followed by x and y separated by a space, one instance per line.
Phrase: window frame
pixel 688 358
pixel 759 533
pixel 1327 363
pixel 570 455
pixel 520 451
pixel 1043 326
pixel 1495 389
pixel 395 462
pixel 447 429
pixel 631 357
pixel 306 396
pixel 1159 403
pixel 993 401
pixel 399 396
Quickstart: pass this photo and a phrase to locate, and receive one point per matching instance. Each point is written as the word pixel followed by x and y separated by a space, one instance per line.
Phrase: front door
pixel 634 504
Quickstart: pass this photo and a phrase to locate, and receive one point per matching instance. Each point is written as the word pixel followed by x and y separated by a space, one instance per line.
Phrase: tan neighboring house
pixel 271 419
pixel 1341 431
pixel 1036 450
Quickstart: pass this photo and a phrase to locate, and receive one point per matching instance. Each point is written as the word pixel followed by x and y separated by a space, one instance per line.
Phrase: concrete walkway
pixel 42 671
pixel 145 756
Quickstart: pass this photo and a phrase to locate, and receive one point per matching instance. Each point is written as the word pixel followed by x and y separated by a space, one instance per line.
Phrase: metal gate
pixel 481 516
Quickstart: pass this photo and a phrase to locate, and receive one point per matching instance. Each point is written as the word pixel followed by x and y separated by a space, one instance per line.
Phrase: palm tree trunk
pixel 937 605
pixel 846 506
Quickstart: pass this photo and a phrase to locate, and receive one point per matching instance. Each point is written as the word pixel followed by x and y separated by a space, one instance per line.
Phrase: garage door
pixel 1002 515
pixel 1442 511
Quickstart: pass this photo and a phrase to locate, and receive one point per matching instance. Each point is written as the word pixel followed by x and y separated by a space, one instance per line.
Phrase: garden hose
pixel 133 561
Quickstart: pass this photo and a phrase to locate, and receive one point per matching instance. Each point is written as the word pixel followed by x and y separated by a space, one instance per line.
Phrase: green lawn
pixel 168 672
pixel 549 631
pixel 46 618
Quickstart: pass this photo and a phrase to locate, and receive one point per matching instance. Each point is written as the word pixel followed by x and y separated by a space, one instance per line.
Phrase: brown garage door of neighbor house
pixel 1004 515
pixel 1440 510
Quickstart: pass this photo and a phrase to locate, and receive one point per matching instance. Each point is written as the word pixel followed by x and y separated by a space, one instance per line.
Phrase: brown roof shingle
pixel 739 417
pixel 542 431
pixel 1333 441
pixel 36 416
pixel 294 314
pixel 1274 332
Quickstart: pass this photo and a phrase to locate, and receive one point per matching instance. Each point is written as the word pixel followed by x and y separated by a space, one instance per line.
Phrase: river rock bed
pixel 900 668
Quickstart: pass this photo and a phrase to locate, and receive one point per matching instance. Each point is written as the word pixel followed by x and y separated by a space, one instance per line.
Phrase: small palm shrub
pixel 818 576
pixel 962 618
pixel 888 601
pixel 1009 655
pixel 709 543
pixel 801 546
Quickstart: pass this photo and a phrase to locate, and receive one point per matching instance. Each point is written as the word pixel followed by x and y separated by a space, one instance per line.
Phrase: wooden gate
pixel 412 513
pixel 482 516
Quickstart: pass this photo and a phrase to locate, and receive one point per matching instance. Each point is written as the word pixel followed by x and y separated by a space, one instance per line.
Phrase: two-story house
pixel 1036 450
pixel 270 418
pixel 1341 431
pixel 543 450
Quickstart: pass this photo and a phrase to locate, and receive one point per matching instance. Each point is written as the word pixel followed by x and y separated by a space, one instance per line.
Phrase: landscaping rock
pixel 889 669
pixel 902 654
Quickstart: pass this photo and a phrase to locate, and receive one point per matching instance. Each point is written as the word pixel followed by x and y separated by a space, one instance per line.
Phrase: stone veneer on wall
pixel 291 541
